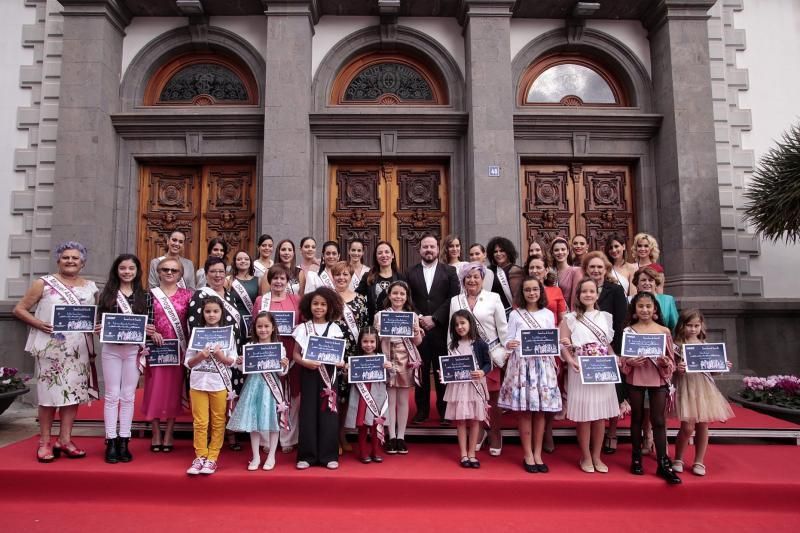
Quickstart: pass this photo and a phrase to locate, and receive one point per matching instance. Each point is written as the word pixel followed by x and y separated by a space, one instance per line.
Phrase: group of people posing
pixel 477 307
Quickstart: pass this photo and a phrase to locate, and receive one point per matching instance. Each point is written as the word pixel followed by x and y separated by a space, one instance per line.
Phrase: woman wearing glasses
pixel 162 384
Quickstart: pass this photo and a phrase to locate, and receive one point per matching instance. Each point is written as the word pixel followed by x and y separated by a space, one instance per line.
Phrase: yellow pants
pixel 207 405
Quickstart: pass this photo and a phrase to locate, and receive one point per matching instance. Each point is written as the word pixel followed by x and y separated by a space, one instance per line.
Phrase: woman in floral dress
pixel 63 370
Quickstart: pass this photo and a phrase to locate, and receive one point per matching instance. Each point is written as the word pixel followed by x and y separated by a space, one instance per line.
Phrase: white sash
pixel 229 307
pixel 259 270
pixel 123 304
pixel 266 300
pixel 280 400
pixel 356 281
pixel 350 320
pixel 478 388
pixel 172 315
pixel 503 279
pixel 329 392
pixel 72 299
pixel 242 292
pixel 378 413
pixel 326 279
pixel 223 373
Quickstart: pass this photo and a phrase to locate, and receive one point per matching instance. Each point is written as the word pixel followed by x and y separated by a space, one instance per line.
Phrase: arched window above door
pixel 202 79
pixel 568 80
pixel 387 79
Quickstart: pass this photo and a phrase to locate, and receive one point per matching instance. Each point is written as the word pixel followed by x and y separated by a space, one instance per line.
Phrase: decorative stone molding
pixel 35 203
pixel 406 40
pixel 733 163
pixel 114 10
pixel 627 68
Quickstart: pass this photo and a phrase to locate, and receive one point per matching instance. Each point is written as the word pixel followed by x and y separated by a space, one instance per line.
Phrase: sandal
pixel 698 469
pixel 44 453
pixel 608 449
pixel 69 450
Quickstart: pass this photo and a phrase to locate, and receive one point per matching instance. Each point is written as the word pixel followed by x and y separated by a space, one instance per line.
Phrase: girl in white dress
pixel 530 386
pixel 588 331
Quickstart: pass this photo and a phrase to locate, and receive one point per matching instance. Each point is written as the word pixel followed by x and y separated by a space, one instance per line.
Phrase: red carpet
pixel 747 487
pixel 745 418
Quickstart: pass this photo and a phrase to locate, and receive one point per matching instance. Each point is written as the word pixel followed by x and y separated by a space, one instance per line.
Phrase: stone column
pixel 493 205
pixel 685 153
pixel 286 193
pixel 86 154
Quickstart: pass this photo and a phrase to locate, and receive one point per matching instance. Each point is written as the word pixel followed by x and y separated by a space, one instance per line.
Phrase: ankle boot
pixel 112 453
pixel 636 463
pixel 122 451
pixel 666 472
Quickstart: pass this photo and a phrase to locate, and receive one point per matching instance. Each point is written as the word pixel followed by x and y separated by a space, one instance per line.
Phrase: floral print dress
pixel 62 359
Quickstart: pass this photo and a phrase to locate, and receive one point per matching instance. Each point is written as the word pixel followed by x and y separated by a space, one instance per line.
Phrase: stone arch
pixel 598 45
pixel 176 42
pixel 406 41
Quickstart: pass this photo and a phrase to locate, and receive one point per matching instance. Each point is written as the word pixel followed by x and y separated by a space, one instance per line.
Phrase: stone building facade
pixel 111 161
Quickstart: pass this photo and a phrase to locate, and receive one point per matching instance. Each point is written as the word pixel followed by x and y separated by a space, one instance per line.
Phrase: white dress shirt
pixel 429 271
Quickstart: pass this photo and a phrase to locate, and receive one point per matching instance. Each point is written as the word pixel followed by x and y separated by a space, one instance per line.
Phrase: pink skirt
pixel 162 392
pixel 464 402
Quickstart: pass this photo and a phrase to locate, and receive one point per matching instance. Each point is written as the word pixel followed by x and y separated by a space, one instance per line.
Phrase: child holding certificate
pixel 262 399
pixel 530 386
pixel 699 401
pixel 319 423
pixel 368 417
pixel 402 353
pixel 468 401
pixel 209 388
pixel 651 375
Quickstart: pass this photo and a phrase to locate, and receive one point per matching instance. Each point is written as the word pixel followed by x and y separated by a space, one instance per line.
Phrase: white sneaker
pixel 254 463
pixel 197 466
pixel 269 464
pixel 209 468
pixel 302 465
pixel 333 465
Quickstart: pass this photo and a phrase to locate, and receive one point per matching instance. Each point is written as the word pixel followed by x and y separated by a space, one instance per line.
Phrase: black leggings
pixel 658 404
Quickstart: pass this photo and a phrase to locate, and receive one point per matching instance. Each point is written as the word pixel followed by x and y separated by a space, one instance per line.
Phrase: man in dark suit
pixel 432 285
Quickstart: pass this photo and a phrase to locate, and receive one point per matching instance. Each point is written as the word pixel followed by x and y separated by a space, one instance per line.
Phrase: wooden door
pixel 392 201
pixel 565 199
pixel 203 202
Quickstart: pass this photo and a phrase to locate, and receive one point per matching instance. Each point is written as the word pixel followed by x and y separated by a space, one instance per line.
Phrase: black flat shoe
pixel 542 468
pixel 636 465
pixel 391 446
pixel 531 469
pixel 155 448
pixel 445 423
pixel 402 449
pixel 166 448
pixel 465 462
pixel 366 460
pixel 419 419
pixel 377 459
pixel 474 463
pixel 665 472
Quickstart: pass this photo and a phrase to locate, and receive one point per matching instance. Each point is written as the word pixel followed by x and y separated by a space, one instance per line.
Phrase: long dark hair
pixel 368 330
pixel 326 245
pixel 409 305
pixel 108 298
pixel 473 327
pixel 277 255
pixel 375 269
pixel 657 315
pixel 275 337
pixel 201 323
pixel 519 298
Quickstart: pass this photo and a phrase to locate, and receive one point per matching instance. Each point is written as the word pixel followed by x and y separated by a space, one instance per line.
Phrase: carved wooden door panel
pixel 203 202
pixel 169 200
pixel 396 202
pixel 562 200
pixel 227 203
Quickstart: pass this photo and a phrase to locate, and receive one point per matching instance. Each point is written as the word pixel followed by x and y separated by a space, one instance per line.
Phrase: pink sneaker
pixel 197 466
pixel 209 467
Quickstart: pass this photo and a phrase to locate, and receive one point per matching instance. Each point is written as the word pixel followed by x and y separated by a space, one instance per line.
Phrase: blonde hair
pixel 173 260
pixel 655 251
pixel 601 256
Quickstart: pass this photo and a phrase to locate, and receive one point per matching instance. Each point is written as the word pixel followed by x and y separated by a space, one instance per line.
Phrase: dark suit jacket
pixel 612 300
pixel 436 304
